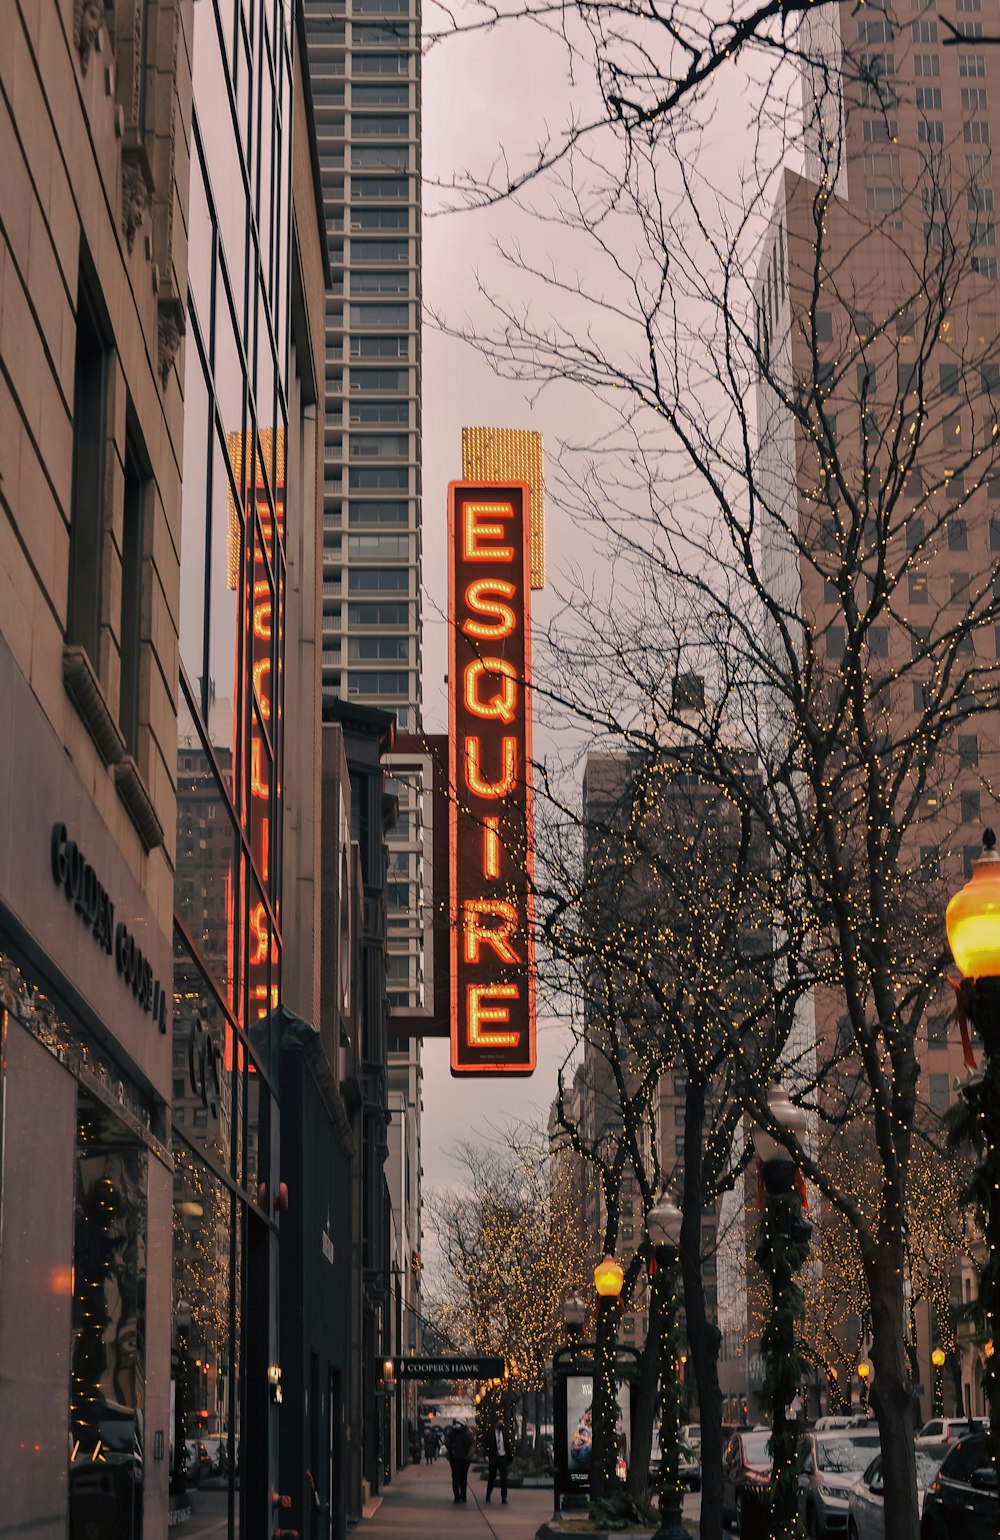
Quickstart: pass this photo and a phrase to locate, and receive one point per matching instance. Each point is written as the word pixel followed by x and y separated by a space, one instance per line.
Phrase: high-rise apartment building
pixel 877 331
pixel 365 67
pixel 364 63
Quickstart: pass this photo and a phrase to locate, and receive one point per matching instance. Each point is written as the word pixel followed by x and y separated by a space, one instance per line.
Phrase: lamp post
pixel 864 1375
pixel 663 1229
pixel 608 1281
pixel 782 1249
pixel 937 1401
pixel 973 924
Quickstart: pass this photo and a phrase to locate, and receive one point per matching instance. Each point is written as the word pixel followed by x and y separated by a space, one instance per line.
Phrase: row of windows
pixel 379 251
pixel 378 547
pixel 379 219
pixel 380 478
pixel 378 682
pixel 950 376
pixel 379 282
pixel 380 347
pixel 375 614
pixel 379 412
pixel 379 315
pixel 375 649
pixel 380 446
pixel 380 187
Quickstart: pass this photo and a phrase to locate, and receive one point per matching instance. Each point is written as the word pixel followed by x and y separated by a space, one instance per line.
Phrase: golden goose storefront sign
pixel 492 944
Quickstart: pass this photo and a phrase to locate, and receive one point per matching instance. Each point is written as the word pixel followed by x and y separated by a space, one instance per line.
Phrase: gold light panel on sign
pixel 510 455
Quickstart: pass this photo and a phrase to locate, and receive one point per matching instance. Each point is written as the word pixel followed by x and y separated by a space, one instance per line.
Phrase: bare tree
pixel 661 925
pixel 511 1249
pixel 801 434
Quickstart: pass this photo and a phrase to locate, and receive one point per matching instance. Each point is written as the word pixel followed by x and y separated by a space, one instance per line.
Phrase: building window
pixel 378 682
pixel 930 131
pixel 958 535
pixel 971 66
pixel 86 535
pixel 130 634
pixel 878 641
pixel 361 412
pixel 968 750
pixel 382 511
pixel 928 98
pixel 930 863
pixel 974 99
pixel 937 1031
pixel 917 585
pixel 939 1093
pixel 926 65
pixel 976 132
pixel 970 806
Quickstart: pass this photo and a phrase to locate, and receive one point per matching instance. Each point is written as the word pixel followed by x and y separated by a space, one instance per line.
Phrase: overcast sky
pixel 479 94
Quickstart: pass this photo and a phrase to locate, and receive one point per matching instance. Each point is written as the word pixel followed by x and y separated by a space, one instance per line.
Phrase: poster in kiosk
pixel 490 835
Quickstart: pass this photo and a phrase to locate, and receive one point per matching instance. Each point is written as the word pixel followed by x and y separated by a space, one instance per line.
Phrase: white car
pixel 945 1430
pixel 866 1506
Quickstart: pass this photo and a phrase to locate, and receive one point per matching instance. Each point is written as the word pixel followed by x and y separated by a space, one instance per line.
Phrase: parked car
pixel 689 1465
pixel 691 1455
pixel 199 1461
pixel 831 1464
pixel 866 1510
pixel 746 1472
pixel 946 1429
pixel 962 1501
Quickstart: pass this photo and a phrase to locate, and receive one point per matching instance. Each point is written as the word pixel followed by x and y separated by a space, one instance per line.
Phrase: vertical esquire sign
pixel 492 943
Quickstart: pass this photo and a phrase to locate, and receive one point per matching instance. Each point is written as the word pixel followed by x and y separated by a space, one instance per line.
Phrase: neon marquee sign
pixel 492 943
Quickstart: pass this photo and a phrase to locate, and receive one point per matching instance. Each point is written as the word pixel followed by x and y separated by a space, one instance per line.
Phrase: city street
pixel 419 1503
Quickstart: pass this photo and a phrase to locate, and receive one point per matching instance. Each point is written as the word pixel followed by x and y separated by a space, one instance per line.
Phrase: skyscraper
pixel 878 403
pixel 364 63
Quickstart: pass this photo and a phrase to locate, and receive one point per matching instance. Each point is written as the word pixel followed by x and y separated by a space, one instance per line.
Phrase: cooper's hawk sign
pixel 492 944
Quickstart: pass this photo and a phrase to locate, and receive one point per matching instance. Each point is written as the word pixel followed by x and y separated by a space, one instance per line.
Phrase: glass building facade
pixel 364 62
pixel 227 935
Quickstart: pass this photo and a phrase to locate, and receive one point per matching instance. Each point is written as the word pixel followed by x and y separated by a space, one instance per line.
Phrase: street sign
pixel 457 1368
pixel 490 769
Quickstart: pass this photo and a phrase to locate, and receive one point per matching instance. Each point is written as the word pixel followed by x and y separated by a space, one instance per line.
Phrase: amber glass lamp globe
pixel 937 1358
pixel 608 1278
pixel 973 917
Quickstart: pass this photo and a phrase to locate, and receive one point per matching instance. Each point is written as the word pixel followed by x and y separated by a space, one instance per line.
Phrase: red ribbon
pixel 963 1024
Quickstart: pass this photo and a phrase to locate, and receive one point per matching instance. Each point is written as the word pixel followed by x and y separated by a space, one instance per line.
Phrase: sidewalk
pixel 418 1502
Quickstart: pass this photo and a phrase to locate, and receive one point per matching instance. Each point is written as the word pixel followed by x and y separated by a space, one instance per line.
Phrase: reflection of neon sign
pixel 492 956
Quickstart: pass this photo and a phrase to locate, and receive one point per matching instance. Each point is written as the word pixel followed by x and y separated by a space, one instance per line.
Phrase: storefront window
pixel 205 1444
pixel 107 1359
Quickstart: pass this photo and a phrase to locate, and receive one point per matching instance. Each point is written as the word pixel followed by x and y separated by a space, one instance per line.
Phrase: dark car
pixel 746 1473
pixel 962 1501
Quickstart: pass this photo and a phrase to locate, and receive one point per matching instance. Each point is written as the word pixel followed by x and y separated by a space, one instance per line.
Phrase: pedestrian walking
pixel 498 1456
pixel 459 1444
pixel 429 1438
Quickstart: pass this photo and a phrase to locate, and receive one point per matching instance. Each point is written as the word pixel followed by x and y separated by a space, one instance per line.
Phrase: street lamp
pixel 608 1281
pixel 783 1247
pixel 864 1375
pixel 938 1359
pixel 663 1229
pixel 973 925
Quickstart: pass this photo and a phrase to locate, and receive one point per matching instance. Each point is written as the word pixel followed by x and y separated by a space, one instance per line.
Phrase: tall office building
pixel 364 62
pixel 364 58
pixel 883 328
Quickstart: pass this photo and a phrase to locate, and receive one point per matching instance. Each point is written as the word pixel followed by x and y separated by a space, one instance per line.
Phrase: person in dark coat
pixel 498 1455
pixel 459 1444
